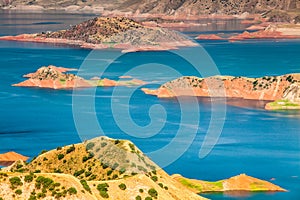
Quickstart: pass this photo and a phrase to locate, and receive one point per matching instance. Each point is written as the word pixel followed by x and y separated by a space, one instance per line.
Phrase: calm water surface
pixel 254 141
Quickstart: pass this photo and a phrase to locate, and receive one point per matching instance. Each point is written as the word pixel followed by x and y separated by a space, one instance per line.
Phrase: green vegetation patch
pixel 283 105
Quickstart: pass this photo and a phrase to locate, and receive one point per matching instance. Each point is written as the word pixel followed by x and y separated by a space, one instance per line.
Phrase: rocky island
pixel 268 88
pixel 105 168
pixel 111 32
pixel 9 158
pixel 56 78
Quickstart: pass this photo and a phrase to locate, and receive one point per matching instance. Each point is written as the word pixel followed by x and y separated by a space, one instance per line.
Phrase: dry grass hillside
pixel 101 168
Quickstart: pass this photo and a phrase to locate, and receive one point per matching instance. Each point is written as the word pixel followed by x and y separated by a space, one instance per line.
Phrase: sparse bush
pixel 93 177
pixel 105 165
pixel 58 171
pixel 41 195
pixel 71 149
pixel 131 146
pixel 78 173
pixel 90 145
pixel 103 144
pixel 166 188
pixel 85 185
pixel 122 186
pixel 59 148
pixel 42 181
pixel 43 151
pixel 117 142
pixel 87 174
pixel 72 191
pixel 141 190
pixel 138 197
pixel 15 182
pixel 109 172
pixel 18 192
pixel 60 156
pixel 148 198
pixel 154 178
pixel 122 170
pixel 153 193
pixel 29 178
pixel 32 197
pixel 115 176
pixel 102 188
pixel 115 166
pixel 161 185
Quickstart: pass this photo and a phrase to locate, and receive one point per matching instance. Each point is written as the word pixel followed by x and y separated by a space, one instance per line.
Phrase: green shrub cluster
pixel 122 186
pixel 153 193
pixel 15 182
pixel 71 149
pixel 102 188
pixel 85 185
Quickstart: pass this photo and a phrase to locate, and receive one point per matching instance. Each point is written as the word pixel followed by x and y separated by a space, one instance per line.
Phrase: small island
pixel 56 78
pixel 105 168
pixel 269 88
pixel 111 32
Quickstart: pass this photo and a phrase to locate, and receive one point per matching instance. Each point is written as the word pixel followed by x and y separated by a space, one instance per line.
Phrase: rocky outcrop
pixel 111 32
pixel 269 88
pixel 273 31
pixel 56 78
pixel 290 99
pixel 9 158
pixel 241 182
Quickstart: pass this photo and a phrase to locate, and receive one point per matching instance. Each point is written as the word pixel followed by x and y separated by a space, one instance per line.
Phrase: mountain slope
pixel 193 7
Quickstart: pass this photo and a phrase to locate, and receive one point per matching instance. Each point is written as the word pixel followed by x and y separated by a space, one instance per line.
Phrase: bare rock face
pixel 292 93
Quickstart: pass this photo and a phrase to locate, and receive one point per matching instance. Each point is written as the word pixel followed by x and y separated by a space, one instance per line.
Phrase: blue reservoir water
pixel 260 143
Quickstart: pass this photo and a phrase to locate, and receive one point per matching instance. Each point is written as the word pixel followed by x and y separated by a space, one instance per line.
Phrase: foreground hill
pixel 270 88
pixel 110 32
pixel 104 168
